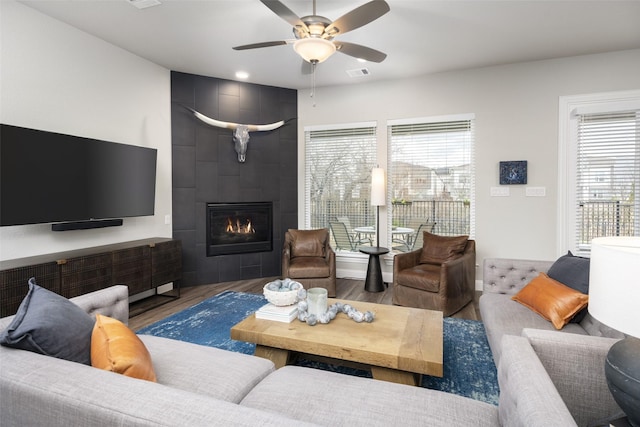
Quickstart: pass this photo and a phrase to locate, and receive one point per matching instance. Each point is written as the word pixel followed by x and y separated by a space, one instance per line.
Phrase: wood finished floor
pixel 346 289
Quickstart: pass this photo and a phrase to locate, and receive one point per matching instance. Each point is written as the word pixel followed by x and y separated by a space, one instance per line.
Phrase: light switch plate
pixel 500 192
pixel 536 191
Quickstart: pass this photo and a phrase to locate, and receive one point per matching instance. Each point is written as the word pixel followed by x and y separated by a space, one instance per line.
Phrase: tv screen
pixel 51 177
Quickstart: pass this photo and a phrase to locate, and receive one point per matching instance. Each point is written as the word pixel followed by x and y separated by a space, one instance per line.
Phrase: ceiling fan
pixel 314 34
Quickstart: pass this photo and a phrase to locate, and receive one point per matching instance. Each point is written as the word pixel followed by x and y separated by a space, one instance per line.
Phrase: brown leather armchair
pixel 307 258
pixel 439 276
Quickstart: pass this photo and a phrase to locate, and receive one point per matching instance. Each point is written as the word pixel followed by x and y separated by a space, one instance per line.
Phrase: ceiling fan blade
pixel 259 45
pixel 285 13
pixel 358 17
pixel 359 51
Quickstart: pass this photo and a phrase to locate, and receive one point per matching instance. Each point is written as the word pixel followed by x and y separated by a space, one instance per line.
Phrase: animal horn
pixel 261 128
pixel 213 122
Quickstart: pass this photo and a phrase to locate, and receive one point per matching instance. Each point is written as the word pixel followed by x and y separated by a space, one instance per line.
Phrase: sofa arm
pixel 575 364
pixel 528 397
pixel 508 276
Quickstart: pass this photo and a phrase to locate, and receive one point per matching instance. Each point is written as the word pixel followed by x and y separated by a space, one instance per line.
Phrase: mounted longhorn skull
pixel 240 132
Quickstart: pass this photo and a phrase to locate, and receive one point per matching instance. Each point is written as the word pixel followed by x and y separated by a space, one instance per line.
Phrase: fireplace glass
pixel 234 228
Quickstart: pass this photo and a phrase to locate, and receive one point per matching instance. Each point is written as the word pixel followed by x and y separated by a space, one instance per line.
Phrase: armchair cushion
pixel 308 243
pixel 438 249
pixel 552 300
pixel 422 276
pixel 309 267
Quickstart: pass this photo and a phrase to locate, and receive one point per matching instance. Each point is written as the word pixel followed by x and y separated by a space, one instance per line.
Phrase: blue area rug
pixel 469 369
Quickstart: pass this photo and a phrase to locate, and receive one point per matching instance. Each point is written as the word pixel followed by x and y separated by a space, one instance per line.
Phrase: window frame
pixel 472 173
pixel 569 108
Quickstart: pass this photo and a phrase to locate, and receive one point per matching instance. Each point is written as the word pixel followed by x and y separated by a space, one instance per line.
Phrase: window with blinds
pixel 338 176
pixel 607 176
pixel 432 174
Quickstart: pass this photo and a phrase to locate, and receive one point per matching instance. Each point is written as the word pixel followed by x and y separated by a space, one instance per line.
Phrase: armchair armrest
pixel 330 257
pixel 461 272
pixel 286 256
pixel 575 364
pixel 406 260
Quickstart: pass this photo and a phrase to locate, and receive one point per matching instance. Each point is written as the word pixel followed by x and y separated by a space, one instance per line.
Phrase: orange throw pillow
pixel 551 299
pixel 116 348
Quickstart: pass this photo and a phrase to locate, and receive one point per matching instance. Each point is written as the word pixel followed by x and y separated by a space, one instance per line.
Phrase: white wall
pixel 56 78
pixel 516 110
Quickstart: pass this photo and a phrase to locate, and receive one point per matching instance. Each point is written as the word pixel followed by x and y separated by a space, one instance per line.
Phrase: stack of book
pixel 278 313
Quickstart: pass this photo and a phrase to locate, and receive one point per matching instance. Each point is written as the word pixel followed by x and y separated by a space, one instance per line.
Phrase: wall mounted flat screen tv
pixel 50 177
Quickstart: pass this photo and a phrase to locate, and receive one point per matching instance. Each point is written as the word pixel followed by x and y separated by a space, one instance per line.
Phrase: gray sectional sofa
pixel 204 386
pixel 573 356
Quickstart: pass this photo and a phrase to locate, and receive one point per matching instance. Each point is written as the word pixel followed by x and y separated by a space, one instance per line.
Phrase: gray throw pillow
pixel 572 271
pixel 50 324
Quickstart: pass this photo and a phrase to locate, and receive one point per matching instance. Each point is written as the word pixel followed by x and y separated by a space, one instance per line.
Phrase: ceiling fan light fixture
pixel 314 50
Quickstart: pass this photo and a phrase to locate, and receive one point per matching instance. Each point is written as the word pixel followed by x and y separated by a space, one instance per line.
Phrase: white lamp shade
pixel 378 187
pixel 314 49
pixel 614 283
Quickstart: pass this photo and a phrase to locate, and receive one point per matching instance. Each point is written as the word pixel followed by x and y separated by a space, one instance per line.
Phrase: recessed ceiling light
pixel 242 75
pixel 361 60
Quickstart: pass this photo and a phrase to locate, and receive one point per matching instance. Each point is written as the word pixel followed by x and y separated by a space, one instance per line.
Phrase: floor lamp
pixel 614 299
pixel 378 196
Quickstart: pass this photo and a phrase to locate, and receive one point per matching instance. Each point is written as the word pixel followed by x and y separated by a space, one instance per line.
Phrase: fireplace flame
pixel 239 227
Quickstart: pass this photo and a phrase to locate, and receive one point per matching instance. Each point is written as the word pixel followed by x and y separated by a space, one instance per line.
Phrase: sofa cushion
pixel 308 243
pixel 50 324
pixel 438 249
pixel 333 399
pixel 572 271
pixel 210 371
pixel 115 348
pixel 551 299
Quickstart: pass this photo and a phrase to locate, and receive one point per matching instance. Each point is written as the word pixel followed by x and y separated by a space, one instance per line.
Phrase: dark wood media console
pixel 142 265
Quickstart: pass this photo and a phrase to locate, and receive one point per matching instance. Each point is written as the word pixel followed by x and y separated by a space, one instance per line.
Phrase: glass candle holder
pixel 317 301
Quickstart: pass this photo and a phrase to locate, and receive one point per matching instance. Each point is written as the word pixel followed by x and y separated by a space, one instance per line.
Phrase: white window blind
pixel 432 174
pixel 607 176
pixel 338 163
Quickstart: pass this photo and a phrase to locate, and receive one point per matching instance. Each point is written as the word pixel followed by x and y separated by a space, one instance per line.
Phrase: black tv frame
pixel 76 183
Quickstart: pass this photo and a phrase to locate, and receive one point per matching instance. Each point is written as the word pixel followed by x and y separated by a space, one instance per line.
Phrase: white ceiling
pixel 419 36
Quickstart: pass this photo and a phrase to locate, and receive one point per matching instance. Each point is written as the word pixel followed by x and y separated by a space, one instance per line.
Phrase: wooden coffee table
pixel 399 346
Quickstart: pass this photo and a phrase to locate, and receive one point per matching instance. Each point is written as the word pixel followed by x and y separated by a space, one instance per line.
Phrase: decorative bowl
pixel 282 292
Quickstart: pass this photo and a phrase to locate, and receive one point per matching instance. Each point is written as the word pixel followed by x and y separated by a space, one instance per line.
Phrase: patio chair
pixel 356 237
pixel 344 240
pixel 414 241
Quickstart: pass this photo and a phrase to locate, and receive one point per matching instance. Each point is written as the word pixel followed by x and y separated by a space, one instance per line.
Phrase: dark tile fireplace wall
pixel 206 170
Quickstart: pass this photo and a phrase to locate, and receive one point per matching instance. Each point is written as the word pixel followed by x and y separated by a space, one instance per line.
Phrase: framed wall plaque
pixel 513 172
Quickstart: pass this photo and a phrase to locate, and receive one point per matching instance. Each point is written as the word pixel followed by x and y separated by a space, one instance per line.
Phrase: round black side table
pixel 374 282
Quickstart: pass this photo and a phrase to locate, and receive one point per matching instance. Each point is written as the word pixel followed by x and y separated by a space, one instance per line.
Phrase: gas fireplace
pixel 234 228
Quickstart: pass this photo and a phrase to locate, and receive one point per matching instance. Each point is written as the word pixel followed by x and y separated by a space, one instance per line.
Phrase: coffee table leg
pixel 395 376
pixel 278 356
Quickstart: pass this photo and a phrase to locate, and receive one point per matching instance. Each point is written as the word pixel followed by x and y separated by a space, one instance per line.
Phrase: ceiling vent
pixel 143 4
pixel 359 72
